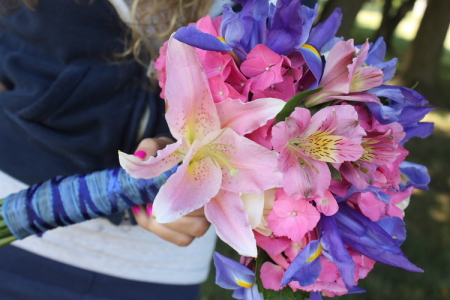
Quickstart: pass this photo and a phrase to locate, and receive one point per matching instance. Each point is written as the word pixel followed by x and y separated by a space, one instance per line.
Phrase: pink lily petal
pixel 247 117
pixel 190 188
pixel 191 111
pixel 165 159
pixel 226 212
pixel 255 165
pixel 327 204
pixel 271 276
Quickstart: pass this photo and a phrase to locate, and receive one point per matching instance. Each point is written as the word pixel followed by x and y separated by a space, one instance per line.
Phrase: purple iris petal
pixel 239 293
pixel 356 290
pixel 309 16
pixel 399 94
pixel 412 114
pixel 421 130
pixel 231 29
pixel 395 227
pixel 315 296
pixel 385 114
pixel 377 52
pixel 230 273
pixel 330 44
pixel 252 293
pixel 253 17
pixel 335 250
pixel 285 30
pixel 380 195
pixel 314 63
pixel 369 239
pixel 306 266
pixel 326 30
pixel 194 37
pixel 416 174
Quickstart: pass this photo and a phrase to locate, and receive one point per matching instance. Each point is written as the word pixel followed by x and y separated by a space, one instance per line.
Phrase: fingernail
pixel 136 209
pixel 141 154
pixel 149 209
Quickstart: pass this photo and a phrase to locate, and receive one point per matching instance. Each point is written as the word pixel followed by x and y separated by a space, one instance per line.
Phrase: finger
pixel 148 147
pixel 197 213
pixel 191 226
pixel 162 231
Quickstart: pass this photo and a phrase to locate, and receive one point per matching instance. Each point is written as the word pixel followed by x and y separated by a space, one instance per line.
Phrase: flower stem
pixel 6 236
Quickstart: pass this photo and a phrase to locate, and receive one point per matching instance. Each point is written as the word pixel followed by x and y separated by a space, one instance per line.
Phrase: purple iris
pixel 406 107
pixel 370 239
pixel 234 276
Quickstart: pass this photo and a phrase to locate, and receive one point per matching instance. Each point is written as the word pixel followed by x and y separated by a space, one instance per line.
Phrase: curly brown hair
pixel 152 21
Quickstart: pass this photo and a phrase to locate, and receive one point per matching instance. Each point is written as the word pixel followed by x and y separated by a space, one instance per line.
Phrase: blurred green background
pixel 428 215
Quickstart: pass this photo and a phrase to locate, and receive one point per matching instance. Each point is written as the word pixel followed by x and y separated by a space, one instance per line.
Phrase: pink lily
pixel 307 143
pixel 218 163
pixel 345 77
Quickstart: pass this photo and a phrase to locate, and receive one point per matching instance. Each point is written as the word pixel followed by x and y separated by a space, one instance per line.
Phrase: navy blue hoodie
pixel 71 104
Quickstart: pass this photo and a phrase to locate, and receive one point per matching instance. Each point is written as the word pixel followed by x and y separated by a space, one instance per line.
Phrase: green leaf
pixel 335 174
pixel 293 103
pixel 415 85
pixel 285 294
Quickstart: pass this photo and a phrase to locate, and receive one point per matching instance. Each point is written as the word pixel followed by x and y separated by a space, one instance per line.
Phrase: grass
pixel 427 218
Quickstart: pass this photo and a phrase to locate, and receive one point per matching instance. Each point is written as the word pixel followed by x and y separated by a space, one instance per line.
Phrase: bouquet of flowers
pixel 292 142
pixel 289 138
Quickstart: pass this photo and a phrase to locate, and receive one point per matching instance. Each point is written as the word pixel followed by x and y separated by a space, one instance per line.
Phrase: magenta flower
pixel 307 143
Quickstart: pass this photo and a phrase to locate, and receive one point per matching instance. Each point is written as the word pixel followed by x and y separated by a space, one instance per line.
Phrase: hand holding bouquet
pixel 292 142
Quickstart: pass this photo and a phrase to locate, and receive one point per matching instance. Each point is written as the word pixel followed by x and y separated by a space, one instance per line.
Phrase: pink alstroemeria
pixel 345 77
pixel 307 143
pixel 218 163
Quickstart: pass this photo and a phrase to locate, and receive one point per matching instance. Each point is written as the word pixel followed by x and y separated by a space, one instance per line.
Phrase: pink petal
pixel 335 74
pixel 366 78
pixel 206 24
pixel 271 75
pixel 191 187
pixel 247 117
pixel 191 111
pixel 271 276
pixel 226 212
pixel 271 244
pixel 260 58
pixel 327 204
pixel 255 164
pixel 292 218
pixel 307 182
pixel 263 135
pixel 165 160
